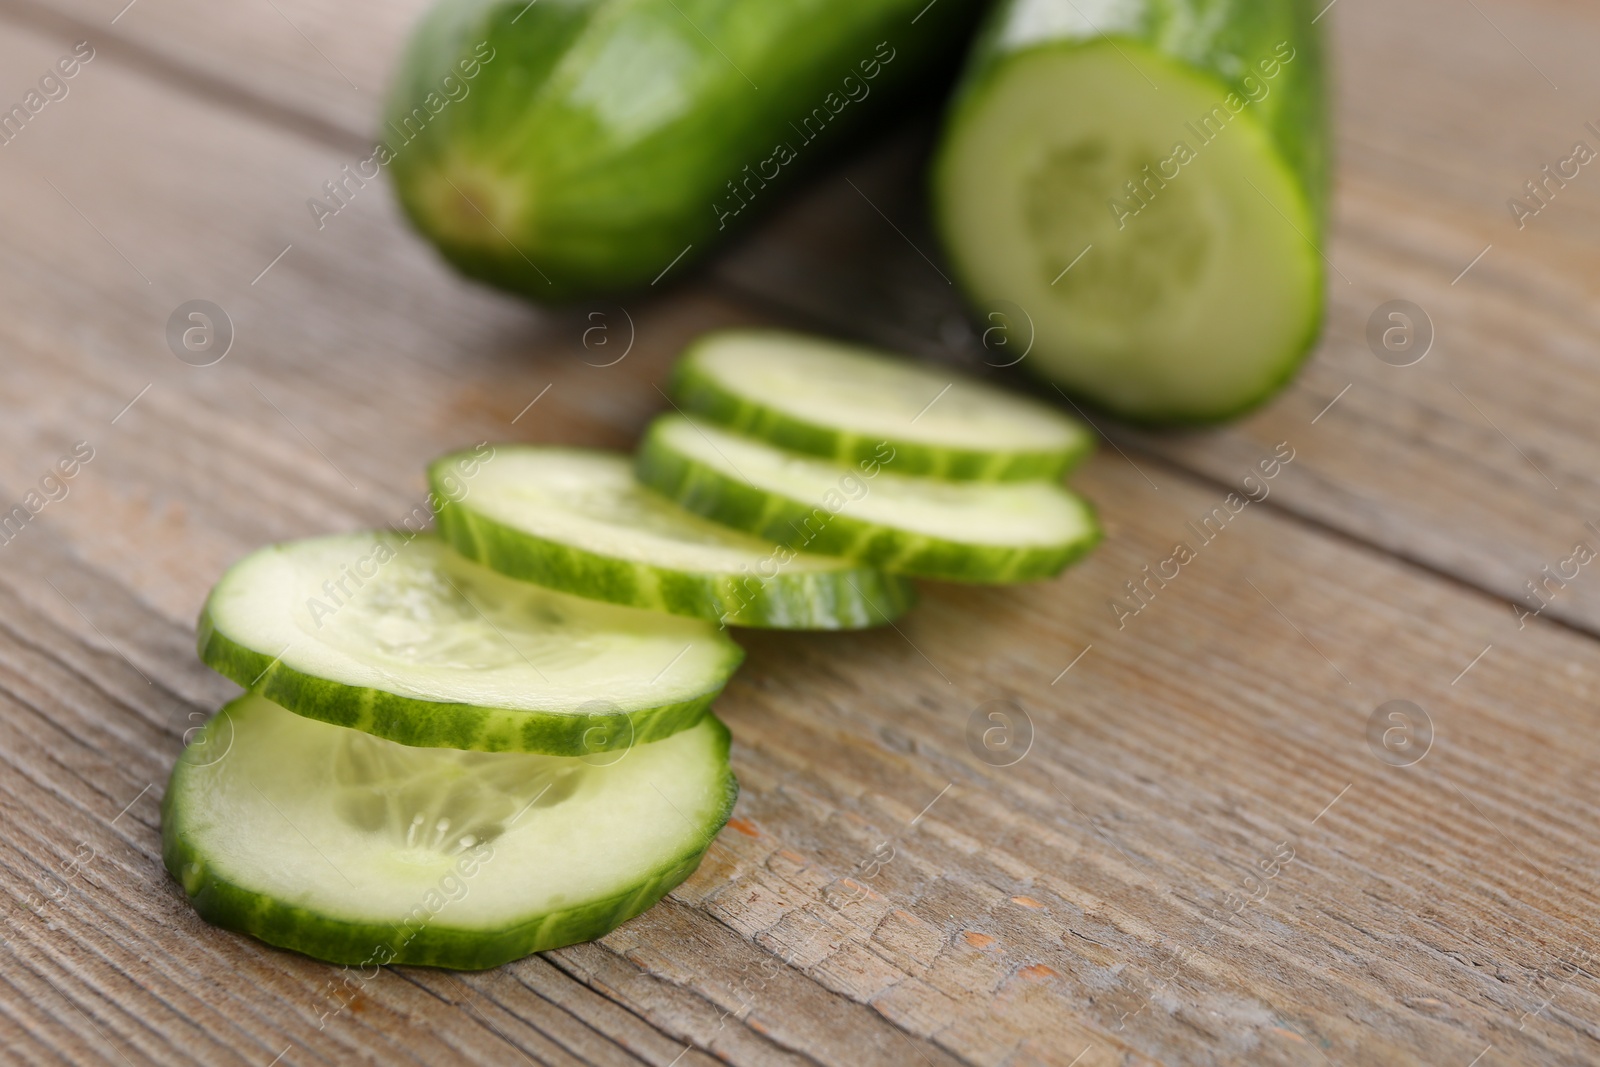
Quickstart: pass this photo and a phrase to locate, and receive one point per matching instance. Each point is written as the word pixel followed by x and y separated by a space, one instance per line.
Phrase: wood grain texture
pixel 883 896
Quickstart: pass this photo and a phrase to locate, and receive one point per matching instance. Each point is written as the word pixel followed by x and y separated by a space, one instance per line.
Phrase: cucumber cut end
pixel 468 208
pixel 472 205
pixel 1140 214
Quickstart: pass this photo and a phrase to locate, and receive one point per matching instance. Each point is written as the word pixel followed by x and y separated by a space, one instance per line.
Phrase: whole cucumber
pixel 1140 186
pixel 569 148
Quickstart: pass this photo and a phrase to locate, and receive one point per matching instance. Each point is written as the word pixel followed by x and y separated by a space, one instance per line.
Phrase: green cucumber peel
pixel 358 851
pixel 845 402
pixel 432 650
pixel 576 520
pixel 608 143
pixel 965 532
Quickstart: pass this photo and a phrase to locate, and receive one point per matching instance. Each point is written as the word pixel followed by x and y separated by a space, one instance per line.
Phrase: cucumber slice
pixel 402 638
pixel 1149 187
pixel 958 531
pixel 360 851
pixel 577 520
pixel 844 403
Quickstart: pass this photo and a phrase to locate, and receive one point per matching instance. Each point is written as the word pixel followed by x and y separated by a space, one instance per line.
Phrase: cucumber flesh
pixel 426 648
pixel 1161 244
pixel 925 527
pixel 577 520
pixel 360 851
pixel 843 402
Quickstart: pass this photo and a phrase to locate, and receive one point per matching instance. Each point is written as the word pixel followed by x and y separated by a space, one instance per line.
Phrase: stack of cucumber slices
pixel 463 747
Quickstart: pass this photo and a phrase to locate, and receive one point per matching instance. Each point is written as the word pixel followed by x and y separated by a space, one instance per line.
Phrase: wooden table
pixel 1099 901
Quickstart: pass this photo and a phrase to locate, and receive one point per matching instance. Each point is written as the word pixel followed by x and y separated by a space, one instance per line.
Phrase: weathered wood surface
pixel 1078 906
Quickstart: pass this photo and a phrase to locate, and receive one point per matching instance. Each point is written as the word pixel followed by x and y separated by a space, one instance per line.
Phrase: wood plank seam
pixel 1311 522
pixel 556 959
pixel 557 1039
pixel 711 1005
pixel 479 1019
pixel 543 964
pixel 467 1005
pixel 192 80
pixel 509 973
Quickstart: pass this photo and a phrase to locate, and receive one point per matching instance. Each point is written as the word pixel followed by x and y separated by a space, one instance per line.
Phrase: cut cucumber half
pixel 926 527
pixel 577 520
pixel 1152 200
pixel 400 637
pixel 845 403
pixel 360 851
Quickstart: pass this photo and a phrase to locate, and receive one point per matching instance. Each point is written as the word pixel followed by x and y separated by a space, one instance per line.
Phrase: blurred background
pixel 179 166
